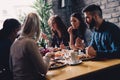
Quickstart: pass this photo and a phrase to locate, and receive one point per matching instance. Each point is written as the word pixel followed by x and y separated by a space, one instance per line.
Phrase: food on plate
pixel 57 49
pixel 44 51
pixel 54 65
pixel 58 54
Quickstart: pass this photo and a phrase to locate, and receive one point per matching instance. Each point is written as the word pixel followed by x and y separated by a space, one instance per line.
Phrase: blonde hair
pixel 31 26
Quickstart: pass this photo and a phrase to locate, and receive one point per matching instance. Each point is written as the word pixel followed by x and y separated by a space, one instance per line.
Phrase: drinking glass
pixel 66 57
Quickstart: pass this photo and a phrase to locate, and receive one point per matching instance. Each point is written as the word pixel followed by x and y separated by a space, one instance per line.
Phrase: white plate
pixel 72 64
pixel 86 59
pixel 53 62
pixel 56 67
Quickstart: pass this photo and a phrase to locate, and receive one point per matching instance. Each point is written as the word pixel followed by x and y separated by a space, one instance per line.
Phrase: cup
pixel 73 58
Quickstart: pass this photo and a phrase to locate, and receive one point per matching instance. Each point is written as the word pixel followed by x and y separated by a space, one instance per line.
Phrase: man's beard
pixel 92 24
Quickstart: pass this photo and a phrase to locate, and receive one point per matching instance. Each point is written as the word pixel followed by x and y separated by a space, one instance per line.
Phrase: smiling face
pixel 74 22
pixel 52 24
pixel 89 20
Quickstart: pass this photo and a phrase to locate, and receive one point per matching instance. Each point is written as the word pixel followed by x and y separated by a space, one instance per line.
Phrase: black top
pixel 4 59
pixel 57 41
pixel 76 33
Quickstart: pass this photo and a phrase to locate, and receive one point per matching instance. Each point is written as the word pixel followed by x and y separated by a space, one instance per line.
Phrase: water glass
pixel 66 57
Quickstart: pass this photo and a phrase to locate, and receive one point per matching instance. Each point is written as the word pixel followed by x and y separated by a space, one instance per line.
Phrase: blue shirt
pixel 106 41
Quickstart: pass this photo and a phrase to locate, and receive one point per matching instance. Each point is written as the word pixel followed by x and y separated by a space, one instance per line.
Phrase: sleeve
pixel 40 64
pixel 114 42
pixel 92 43
pixel 53 41
pixel 65 41
pixel 88 36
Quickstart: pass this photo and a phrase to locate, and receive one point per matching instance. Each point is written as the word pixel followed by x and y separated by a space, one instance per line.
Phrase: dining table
pixel 87 70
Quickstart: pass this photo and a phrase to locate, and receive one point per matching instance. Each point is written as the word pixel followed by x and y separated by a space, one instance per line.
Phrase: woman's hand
pixel 70 30
pixel 50 54
pixel 79 43
pixel 44 36
pixel 62 46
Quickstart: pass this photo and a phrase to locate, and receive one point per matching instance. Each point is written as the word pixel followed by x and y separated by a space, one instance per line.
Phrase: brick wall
pixel 63 12
pixel 111 9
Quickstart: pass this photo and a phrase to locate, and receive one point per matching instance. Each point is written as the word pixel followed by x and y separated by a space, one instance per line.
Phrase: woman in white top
pixel 27 62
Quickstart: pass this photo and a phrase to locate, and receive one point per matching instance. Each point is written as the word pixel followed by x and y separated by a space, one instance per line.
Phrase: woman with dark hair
pixel 60 36
pixel 7 35
pixel 80 36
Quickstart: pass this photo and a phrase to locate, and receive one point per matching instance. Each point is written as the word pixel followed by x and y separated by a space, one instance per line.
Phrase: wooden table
pixel 85 68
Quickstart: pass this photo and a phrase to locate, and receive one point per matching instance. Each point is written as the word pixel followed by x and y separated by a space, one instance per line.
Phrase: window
pixel 61 4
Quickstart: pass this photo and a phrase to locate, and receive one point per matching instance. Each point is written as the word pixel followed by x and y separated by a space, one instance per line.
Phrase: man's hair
pixel 9 26
pixel 93 9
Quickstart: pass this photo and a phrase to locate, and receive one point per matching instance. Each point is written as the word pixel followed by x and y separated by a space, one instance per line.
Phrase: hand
pixel 70 30
pixel 73 47
pixel 50 54
pixel 62 46
pixel 79 43
pixel 90 51
pixel 44 36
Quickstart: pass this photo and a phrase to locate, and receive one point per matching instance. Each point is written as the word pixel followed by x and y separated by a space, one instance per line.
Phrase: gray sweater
pixel 27 62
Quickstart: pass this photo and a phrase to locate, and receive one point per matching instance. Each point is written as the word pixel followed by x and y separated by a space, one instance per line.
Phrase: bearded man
pixel 105 41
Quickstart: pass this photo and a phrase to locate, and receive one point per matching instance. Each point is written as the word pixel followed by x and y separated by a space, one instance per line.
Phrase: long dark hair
pixel 8 26
pixel 82 26
pixel 60 25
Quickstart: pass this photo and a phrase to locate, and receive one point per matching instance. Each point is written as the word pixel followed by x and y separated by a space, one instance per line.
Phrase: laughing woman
pixel 80 36
pixel 60 36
